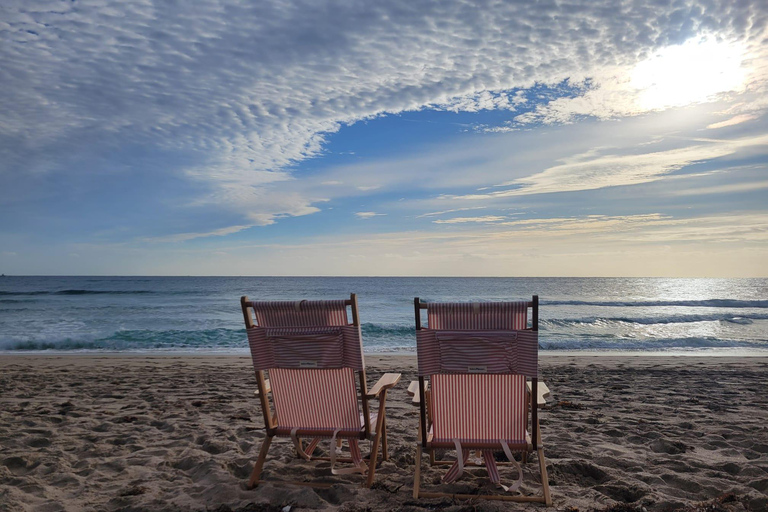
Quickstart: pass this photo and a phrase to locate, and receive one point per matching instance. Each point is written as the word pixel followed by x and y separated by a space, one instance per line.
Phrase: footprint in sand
pixel 667 446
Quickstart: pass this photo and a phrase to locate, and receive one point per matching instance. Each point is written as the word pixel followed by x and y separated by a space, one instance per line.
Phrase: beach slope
pixel 177 433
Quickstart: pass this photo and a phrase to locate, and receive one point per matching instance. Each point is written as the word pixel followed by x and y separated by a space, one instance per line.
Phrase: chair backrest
pixel 311 353
pixel 477 356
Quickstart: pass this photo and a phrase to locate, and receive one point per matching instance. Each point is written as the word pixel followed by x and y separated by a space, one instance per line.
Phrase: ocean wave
pixel 384 330
pixel 672 319
pixel 710 303
pixel 78 292
pixel 376 338
pixel 649 345
pixel 379 335
pixel 137 339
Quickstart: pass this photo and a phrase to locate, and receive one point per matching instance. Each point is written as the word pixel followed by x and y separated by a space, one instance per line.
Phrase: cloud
pixel 464 220
pixel 736 228
pixel 484 100
pixel 183 237
pixel 653 228
pixel 242 92
pixel 591 171
pixel 655 244
pixel 368 215
pixel 586 224
pixel 599 245
pixel 703 69
pixel 434 214
pixel 722 189
pixel 741 118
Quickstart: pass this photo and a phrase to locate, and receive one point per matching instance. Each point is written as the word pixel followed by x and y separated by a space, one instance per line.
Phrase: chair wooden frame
pixel 378 391
pixel 421 397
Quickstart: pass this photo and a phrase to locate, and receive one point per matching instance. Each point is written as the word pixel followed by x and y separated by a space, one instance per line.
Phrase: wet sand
pixel 131 432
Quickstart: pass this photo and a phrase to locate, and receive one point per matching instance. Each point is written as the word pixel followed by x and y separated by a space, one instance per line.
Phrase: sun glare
pixel 693 72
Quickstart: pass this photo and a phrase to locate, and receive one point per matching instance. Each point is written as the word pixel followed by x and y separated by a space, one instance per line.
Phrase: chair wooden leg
pixel 544 477
pixel 372 460
pixel 384 446
pixel 376 439
pixel 432 457
pixel 254 480
pixel 417 474
pixel 543 468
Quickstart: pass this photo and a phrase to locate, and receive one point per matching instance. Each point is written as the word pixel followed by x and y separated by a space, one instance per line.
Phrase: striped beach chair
pixel 477 357
pixel 311 382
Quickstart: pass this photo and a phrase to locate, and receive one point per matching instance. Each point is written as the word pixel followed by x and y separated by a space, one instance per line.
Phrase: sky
pixel 444 138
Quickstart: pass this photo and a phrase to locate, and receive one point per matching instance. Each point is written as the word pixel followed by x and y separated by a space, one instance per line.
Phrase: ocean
pixel 202 314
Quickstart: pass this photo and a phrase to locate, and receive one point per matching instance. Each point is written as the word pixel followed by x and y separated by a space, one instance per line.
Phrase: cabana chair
pixel 477 357
pixel 311 354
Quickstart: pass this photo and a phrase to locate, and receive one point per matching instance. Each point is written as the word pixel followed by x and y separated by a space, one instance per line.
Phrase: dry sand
pixel 182 433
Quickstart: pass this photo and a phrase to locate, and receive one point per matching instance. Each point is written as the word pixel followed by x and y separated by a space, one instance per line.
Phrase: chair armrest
pixel 267 386
pixel 387 381
pixel 413 390
pixel 542 392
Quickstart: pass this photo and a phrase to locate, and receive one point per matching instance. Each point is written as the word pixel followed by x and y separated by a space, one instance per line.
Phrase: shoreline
pixel 180 432
pixel 736 352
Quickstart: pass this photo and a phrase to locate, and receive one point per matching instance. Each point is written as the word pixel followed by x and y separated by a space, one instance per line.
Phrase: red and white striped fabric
pixel 315 399
pixel 478 356
pixel 479 337
pixel 479 408
pixel 304 313
pixel 490 463
pixel 304 334
pixel 501 316
pixel 311 352
pixel 306 347
pixel 513 352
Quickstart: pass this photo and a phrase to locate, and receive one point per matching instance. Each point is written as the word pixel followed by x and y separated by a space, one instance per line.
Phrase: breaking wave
pixel 711 303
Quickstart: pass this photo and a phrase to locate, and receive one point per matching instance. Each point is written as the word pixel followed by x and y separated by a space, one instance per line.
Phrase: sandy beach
pixel 129 432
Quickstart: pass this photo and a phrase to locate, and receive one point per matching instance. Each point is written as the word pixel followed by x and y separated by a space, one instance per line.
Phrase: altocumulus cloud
pixel 247 90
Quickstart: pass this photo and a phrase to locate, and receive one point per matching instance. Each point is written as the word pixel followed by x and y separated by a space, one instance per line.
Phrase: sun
pixel 694 72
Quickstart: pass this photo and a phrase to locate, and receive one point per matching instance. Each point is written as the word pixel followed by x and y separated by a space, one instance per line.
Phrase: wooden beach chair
pixel 317 386
pixel 477 357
